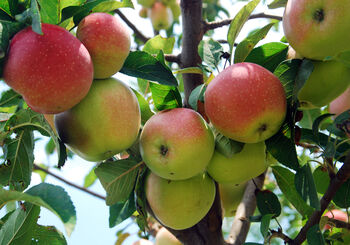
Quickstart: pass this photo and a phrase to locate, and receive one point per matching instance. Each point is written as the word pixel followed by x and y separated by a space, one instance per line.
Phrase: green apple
pixel 317 29
pixel 106 122
pixel 176 144
pixel 53 71
pixel 231 195
pixel 246 102
pixel 107 40
pixel 175 9
pixel 161 16
pixel 146 3
pixel 341 103
pixel 242 166
pixel 180 204
pixel 328 80
pixel 165 237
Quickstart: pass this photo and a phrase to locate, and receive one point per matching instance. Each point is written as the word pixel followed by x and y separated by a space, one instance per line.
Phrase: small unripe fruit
pixel 143 12
pixel 161 16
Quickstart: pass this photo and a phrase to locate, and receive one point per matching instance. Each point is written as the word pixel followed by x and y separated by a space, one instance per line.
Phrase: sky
pixel 92 213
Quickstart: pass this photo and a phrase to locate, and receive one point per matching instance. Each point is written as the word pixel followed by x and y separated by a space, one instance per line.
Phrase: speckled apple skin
pixel 317 39
pixel 244 99
pixel 180 204
pixel 341 103
pixel 106 122
pixel 53 71
pixel 107 40
pixel 188 140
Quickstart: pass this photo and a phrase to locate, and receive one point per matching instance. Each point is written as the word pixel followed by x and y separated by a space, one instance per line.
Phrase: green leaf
pixel 10 98
pixel 165 97
pixel 314 236
pixel 111 5
pixel 57 198
pixel 90 178
pixel 67 216
pixel 283 149
pixel 50 11
pixel 226 146
pixel 277 4
pixel 118 179
pixel 265 224
pixel 269 55
pixel 309 117
pixel 305 185
pixel 285 181
pixel 303 74
pixel 316 124
pixel 146 112
pixel 47 235
pixel 67 3
pixel 141 201
pixel 143 65
pixel 20 226
pixel 197 94
pixel 322 179
pixel 245 47
pixel 9 7
pixel 339 126
pixel 121 211
pixel 268 203
pixel 342 196
pixel 238 22
pixel 210 52
pixel 153 45
pixel 33 15
pixel 18 152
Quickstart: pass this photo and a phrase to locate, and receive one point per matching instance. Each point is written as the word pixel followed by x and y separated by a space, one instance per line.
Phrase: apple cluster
pixel 96 116
pixel 161 12
pixel 319 31
pixel 245 103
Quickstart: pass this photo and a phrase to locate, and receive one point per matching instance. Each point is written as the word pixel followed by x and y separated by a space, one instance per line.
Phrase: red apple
pixel 336 214
pixel 161 16
pixel 176 144
pixel 107 40
pixel 53 71
pixel 106 122
pixel 341 103
pixel 317 28
pixel 246 103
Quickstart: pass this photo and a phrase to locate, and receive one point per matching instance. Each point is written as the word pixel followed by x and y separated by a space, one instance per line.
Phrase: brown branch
pixel 338 223
pixel 137 32
pixel 342 175
pixel 279 234
pixel 246 208
pixel 68 182
pixel 217 24
pixel 191 12
pixel 173 58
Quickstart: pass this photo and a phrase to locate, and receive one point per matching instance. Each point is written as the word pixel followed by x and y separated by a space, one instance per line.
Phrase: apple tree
pixel 204 138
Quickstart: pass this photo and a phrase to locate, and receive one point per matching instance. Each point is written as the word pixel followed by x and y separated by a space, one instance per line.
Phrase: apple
pixel 143 242
pixel 341 103
pixel 176 144
pixel 231 195
pixel 246 102
pixel 104 123
pixel 328 80
pixel 161 16
pixel 242 166
pixel 180 204
pixel 317 29
pixel 146 3
pixel 107 40
pixel 143 12
pixel 52 72
pixel 336 214
pixel 292 54
pixel 175 9
pixel 165 237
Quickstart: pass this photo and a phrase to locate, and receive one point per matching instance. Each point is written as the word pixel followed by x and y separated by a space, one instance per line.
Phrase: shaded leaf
pixel 118 179
pixel 265 224
pixel 277 4
pixel 321 179
pixel 47 235
pixel 268 203
pixel 146 112
pixel 197 94
pixel 165 97
pixel 210 52
pixel 314 236
pixel 342 196
pixel 121 211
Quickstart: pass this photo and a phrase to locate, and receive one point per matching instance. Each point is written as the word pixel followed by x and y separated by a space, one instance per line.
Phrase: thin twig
pixel 217 24
pixel 279 234
pixel 137 32
pixel 338 223
pixel 69 183
pixel 342 175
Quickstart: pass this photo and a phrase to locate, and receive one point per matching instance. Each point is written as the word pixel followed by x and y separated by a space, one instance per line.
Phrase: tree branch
pixel 342 175
pixel 173 58
pixel 217 24
pixel 68 182
pixel 338 223
pixel 191 12
pixel 137 32
pixel 280 235
pixel 246 208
